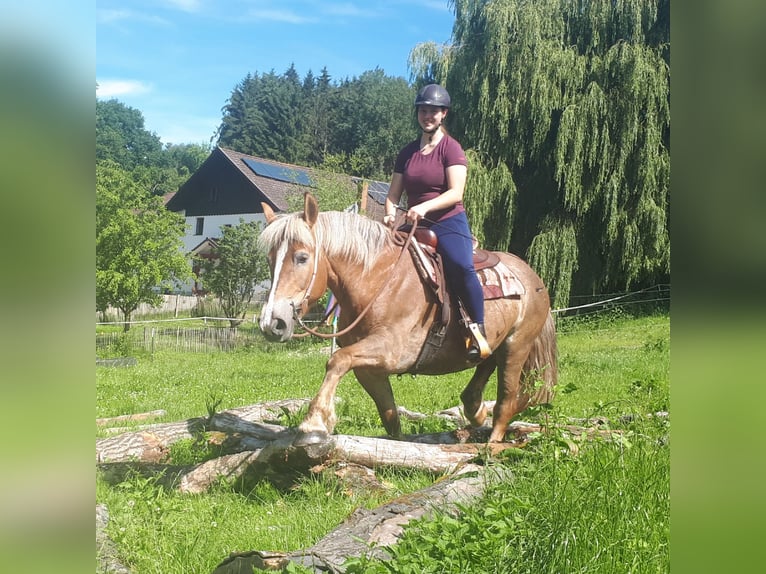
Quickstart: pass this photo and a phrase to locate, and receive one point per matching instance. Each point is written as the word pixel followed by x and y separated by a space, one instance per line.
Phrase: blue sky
pixel 177 61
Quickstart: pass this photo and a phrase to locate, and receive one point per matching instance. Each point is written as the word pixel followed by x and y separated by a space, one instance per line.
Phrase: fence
pixel 212 338
pixel 198 340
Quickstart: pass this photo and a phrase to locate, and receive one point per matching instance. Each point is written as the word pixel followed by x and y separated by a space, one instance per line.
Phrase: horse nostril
pixel 278 326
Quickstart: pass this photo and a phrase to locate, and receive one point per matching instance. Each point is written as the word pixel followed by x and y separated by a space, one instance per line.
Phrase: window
pixel 213 194
pixel 200 225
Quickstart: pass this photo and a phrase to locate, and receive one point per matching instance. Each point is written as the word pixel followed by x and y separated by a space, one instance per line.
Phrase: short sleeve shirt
pixel 425 176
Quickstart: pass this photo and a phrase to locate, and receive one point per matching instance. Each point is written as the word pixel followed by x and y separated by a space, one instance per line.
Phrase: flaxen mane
pixel 340 234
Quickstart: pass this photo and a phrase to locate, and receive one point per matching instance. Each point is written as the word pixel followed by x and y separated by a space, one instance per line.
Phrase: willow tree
pixel 571 100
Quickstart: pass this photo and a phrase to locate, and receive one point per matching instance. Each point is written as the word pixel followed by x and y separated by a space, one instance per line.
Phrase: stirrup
pixel 478 349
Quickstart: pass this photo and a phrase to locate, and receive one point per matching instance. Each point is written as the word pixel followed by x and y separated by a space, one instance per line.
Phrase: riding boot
pixel 478 349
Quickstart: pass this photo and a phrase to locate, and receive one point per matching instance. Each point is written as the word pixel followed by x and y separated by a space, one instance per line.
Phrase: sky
pixel 177 61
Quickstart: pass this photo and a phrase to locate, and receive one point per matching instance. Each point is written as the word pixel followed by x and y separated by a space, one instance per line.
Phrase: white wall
pixel 211 228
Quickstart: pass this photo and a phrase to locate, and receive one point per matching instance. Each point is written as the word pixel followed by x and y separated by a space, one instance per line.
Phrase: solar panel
pixel 378 190
pixel 279 172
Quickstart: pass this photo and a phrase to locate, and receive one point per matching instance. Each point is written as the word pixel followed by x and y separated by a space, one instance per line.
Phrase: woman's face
pixel 431 117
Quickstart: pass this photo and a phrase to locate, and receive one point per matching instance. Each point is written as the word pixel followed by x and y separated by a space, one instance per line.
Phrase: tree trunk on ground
pixel 151 442
pixel 281 463
pixel 254 449
pixel 129 418
pixel 372 530
pixel 108 561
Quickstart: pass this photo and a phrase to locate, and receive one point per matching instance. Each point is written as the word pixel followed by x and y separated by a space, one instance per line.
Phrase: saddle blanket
pixel 499 281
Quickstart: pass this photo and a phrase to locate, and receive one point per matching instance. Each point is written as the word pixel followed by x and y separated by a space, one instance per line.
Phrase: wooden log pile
pixel 253 447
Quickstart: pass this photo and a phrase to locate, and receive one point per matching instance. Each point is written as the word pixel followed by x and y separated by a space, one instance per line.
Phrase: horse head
pixel 298 276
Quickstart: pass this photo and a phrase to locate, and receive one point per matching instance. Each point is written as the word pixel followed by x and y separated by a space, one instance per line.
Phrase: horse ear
pixel 268 213
pixel 310 209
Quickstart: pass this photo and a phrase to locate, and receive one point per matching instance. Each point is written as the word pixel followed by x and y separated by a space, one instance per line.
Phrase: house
pixel 230 186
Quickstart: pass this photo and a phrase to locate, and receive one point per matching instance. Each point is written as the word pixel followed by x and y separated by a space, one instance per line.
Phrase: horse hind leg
pixel 472 396
pixel 527 376
pixel 511 397
pixel 378 386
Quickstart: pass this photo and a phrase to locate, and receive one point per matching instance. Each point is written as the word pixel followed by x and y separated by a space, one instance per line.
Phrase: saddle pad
pixel 499 281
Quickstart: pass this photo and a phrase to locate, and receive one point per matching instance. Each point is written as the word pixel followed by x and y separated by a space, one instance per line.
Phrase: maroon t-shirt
pixel 425 176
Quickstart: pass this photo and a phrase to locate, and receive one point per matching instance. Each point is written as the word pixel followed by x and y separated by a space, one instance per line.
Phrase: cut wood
pixel 106 550
pixel 130 418
pixel 372 531
pixel 150 443
pixel 280 462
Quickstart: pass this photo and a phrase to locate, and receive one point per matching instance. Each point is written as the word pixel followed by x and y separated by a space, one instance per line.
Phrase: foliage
pixel 572 506
pixel 573 99
pixel 334 192
pixel 354 126
pixel 236 269
pixel 122 139
pixel 138 244
pixel 602 510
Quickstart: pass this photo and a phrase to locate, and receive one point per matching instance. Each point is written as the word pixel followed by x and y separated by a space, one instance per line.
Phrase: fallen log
pixel 278 461
pixel 150 443
pixel 130 418
pixel 370 532
pixel 106 550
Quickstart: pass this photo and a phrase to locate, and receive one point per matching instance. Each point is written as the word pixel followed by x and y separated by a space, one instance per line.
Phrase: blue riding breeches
pixel 456 250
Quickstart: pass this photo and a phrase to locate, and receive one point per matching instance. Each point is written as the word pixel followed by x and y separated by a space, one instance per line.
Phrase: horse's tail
pixel 542 363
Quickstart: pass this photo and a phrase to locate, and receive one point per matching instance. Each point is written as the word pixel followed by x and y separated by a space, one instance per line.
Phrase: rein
pixel 309 330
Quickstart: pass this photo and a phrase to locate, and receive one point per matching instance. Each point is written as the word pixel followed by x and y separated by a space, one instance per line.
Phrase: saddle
pixel 496 279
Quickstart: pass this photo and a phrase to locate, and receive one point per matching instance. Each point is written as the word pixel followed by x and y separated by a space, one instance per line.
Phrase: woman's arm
pixel 392 199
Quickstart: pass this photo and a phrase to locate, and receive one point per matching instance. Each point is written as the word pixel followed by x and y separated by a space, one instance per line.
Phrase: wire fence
pixel 214 337
pixel 190 339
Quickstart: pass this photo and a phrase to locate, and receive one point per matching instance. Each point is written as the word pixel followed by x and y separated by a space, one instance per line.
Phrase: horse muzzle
pixel 277 323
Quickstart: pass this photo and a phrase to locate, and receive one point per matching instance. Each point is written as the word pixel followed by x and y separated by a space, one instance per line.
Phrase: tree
pixel 122 138
pixel 262 117
pixel 239 266
pixel 572 99
pixel 358 124
pixel 372 117
pixel 138 243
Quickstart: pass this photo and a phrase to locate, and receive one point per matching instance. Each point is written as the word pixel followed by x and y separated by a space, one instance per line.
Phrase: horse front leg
pixel 378 386
pixel 320 420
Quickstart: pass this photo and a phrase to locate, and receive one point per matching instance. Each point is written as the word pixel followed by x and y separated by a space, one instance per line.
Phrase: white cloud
pixel 120 16
pixel 186 5
pixel 114 88
pixel 346 9
pixel 280 16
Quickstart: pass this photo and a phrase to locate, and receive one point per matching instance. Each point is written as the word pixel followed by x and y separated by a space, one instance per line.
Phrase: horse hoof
pixel 311 438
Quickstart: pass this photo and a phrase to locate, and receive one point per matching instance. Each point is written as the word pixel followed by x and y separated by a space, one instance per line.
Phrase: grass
pixel 604 510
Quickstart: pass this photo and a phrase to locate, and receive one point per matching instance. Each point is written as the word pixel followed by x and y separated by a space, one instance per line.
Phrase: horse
pixel 361 262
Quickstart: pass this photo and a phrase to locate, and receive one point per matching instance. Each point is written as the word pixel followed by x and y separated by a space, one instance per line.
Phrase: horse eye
pixel 301 257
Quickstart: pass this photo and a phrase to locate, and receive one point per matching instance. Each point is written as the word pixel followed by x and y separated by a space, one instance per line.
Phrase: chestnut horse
pixel 360 261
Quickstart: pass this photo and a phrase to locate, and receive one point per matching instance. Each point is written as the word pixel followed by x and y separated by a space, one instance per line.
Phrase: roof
pixel 275 190
pixel 275 181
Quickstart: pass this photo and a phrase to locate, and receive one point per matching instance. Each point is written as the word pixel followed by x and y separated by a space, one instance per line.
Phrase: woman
pixel 432 171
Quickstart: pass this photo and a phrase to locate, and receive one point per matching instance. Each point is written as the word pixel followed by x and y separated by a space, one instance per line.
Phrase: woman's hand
pixel 388 220
pixel 415 214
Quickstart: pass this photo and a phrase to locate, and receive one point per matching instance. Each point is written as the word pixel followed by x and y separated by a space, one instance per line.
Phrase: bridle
pixel 304 303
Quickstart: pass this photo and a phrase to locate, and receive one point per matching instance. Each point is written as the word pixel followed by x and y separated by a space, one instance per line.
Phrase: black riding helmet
pixel 432 95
